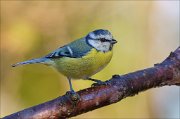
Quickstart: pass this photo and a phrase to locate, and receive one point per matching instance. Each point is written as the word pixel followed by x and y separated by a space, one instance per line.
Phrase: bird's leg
pixel 70 84
pixel 98 82
pixel 74 97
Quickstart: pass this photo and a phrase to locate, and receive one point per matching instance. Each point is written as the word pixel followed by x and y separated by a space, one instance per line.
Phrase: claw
pixel 115 76
pixel 99 83
pixel 73 96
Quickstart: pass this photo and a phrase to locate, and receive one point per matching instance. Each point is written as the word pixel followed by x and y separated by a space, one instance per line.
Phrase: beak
pixel 113 41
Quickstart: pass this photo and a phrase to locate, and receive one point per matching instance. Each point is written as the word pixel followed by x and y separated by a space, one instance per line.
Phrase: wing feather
pixel 75 49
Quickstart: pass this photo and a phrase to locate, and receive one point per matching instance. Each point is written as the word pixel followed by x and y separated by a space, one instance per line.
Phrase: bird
pixel 81 58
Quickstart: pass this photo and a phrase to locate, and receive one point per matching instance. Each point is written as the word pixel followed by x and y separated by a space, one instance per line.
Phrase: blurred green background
pixel 147 31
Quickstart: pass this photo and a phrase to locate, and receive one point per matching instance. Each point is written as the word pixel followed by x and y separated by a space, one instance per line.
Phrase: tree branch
pixel 119 87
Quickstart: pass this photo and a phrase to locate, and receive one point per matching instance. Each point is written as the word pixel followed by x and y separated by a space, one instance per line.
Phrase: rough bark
pixel 117 88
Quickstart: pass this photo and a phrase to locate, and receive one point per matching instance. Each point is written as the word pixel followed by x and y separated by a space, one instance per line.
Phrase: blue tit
pixel 81 58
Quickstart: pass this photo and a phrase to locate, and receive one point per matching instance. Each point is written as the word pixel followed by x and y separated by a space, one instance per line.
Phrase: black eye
pixel 103 40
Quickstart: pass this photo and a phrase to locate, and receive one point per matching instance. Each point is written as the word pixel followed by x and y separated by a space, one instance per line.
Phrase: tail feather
pixel 32 61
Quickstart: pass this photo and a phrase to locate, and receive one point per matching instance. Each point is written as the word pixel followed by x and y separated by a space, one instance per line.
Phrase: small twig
pixel 117 88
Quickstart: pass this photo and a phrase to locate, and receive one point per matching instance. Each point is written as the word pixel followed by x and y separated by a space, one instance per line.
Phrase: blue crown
pixel 102 32
pixel 98 32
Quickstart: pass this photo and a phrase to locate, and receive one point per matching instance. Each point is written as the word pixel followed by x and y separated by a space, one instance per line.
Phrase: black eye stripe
pixel 104 40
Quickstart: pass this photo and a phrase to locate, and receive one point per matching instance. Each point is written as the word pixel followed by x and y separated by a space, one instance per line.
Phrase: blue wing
pixel 75 49
pixel 60 52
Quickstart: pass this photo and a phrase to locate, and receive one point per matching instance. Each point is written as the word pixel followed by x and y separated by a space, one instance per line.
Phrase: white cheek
pixel 96 44
pixel 104 47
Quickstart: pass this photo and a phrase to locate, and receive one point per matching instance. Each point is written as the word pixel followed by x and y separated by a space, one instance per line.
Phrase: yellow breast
pixel 84 67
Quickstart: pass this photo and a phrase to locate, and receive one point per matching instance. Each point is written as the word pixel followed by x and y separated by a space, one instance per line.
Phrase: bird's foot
pixel 98 82
pixel 73 96
pixel 116 76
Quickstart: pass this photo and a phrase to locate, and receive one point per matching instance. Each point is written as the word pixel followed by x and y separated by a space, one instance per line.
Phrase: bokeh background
pixel 147 31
